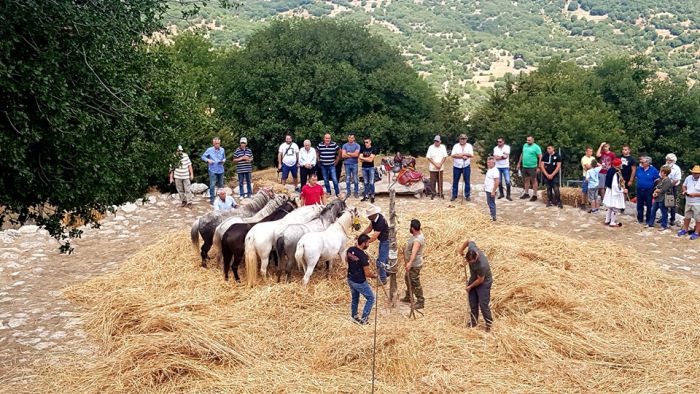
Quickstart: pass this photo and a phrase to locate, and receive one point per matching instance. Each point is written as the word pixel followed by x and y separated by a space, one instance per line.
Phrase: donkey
pixel 233 242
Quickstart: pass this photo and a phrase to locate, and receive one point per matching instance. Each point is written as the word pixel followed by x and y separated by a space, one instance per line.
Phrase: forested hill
pixel 465 45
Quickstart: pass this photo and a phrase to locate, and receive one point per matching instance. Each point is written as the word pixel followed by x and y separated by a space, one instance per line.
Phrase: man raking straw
pixel 479 283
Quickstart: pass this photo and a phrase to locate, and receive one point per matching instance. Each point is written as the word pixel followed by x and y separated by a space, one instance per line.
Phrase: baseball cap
pixel 437 138
pixel 244 140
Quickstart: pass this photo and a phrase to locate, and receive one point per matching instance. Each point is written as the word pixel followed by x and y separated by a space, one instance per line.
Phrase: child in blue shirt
pixel 593 184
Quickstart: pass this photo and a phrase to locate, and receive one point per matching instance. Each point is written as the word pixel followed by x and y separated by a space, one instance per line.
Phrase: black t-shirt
pixel 627 163
pixel 550 161
pixel 367 152
pixel 379 224
pixel 357 260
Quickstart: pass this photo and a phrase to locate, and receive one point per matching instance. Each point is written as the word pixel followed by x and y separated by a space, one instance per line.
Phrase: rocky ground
pixel 35 320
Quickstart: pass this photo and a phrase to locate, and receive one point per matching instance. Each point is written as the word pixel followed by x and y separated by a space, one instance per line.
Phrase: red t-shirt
pixel 606 160
pixel 312 194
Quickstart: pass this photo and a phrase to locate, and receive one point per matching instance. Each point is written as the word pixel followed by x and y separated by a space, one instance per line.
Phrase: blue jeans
pixel 215 180
pixel 244 177
pixel 584 185
pixel 644 200
pixel 351 176
pixel 492 205
pixel 329 175
pixel 664 214
pixel 368 178
pixel 382 259
pixel 458 173
pixel 366 290
pixel 287 170
pixel 504 173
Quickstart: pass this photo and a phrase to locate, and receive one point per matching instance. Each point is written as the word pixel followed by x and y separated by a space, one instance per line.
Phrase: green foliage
pixel 309 77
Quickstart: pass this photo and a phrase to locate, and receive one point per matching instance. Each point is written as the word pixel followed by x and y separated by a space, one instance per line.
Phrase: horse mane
pixel 271 206
pixel 344 221
pixel 258 202
pixel 328 212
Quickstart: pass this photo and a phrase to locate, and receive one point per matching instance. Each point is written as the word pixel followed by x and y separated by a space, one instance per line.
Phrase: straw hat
pixel 372 210
pixel 695 170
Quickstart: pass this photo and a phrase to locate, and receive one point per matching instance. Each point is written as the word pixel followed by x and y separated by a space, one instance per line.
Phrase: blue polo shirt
pixel 646 178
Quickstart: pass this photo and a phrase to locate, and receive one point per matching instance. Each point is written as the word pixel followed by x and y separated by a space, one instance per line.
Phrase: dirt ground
pixel 35 321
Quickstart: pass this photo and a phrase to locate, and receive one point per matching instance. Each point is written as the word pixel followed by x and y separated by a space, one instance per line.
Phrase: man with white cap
pixel 462 154
pixel 182 175
pixel 243 157
pixel 379 229
pixel 437 154
pixel 691 190
pixel 675 177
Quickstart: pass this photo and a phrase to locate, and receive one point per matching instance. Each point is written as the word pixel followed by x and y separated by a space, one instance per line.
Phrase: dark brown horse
pixel 233 241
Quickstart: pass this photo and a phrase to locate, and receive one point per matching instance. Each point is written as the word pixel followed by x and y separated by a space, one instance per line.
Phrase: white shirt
pixel 224 205
pixel 692 186
pixel 490 179
pixel 436 155
pixel 289 154
pixel 498 151
pixel 307 157
pixel 459 149
pixel 675 175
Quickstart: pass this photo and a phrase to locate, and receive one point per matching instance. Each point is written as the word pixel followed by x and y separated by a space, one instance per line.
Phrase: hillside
pixel 463 46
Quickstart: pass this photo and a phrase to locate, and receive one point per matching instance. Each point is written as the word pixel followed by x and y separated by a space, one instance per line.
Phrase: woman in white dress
pixel 614 194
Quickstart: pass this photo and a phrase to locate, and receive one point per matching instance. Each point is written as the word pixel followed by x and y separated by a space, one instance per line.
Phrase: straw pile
pixel 569 318
pixel 569 196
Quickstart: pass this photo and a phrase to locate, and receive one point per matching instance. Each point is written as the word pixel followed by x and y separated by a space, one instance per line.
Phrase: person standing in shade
pixel 358 272
pixel 646 177
pixel 224 202
pixel 288 157
pixel 350 152
pixel 663 187
pixel 215 156
pixel 367 155
pixel 491 182
pixel 243 157
pixel 462 154
pixel 328 157
pixel 592 181
pixel 312 192
pixel 586 165
pixel 691 190
pixel 182 175
pixel 501 153
pixel 675 176
pixel 307 162
pixel 530 162
pixel 437 154
pixel 615 191
pixel 550 167
pixel 479 283
pixel 629 166
pixel 413 257
pixel 605 159
pixel 379 230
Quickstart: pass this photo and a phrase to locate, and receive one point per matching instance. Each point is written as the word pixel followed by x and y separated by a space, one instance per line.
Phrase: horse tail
pixel 194 234
pixel 216 241
pixel 279 250
pixel 299 256
pixel 251 260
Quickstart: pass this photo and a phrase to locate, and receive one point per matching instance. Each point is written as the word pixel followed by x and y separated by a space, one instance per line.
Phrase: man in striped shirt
pixel 329 155
pixel 182 175
pixel 243 157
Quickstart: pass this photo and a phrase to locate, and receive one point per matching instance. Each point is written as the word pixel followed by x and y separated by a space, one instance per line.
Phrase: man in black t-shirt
pixel 550 165
pixel 379 230
pixel 629 165
pixel 358 272
pixel 367 155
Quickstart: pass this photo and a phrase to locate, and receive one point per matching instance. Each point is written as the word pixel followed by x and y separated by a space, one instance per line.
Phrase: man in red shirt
pixel 606 158
pixel 312 192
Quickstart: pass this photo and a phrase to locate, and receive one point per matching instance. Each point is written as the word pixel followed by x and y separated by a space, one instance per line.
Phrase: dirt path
pixel 35 319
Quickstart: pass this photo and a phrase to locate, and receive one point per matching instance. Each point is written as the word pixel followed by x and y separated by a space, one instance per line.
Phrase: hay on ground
pixel 570 317
pixel 569 196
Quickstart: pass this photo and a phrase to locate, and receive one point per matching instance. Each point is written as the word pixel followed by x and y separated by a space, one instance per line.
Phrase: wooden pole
pixel 393 248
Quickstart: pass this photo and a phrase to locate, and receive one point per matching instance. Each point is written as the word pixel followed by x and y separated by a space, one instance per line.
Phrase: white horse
pixel 325 245
pixel 260 239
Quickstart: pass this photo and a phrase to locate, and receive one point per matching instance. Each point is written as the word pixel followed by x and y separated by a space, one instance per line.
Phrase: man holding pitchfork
pixel 479 283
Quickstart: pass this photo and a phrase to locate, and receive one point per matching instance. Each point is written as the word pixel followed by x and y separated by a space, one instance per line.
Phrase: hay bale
pixel 569 196
pixel 568 319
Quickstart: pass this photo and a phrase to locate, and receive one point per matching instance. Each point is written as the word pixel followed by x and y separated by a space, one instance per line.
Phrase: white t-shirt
pixel 307 157
pixel 675 175
pixel 289 154
pixel 436 155
pixel 498 151
pixel 692 186
pixel 490 179
pixel 459 149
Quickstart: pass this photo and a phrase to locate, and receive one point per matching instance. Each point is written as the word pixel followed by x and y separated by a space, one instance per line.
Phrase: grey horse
pixel 205 225
pixel 286 244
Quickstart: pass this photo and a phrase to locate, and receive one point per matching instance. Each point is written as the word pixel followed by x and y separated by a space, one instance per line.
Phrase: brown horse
pixel 233 241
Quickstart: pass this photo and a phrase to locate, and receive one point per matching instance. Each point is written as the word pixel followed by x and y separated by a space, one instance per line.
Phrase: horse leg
pixel 265 260
pixel 291 262
pixel 205 252
pixel 228 256
pixel 236 260
pixel 309 270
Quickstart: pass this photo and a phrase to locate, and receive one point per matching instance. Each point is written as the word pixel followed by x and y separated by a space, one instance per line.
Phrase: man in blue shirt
pixel 646 176
pixel 224 202
pixel 350 153
pixel 215 157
